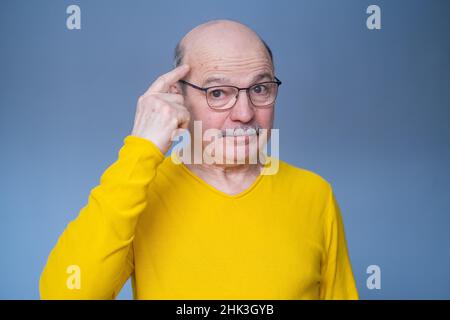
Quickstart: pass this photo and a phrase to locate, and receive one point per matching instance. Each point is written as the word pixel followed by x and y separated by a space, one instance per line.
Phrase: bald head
pixel 227 37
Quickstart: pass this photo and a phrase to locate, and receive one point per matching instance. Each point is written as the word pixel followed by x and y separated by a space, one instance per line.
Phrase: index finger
pixel 163 83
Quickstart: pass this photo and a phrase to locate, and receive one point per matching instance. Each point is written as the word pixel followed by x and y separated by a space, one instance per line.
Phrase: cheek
pixel 200 111
pixel 264 117
pixel 213 120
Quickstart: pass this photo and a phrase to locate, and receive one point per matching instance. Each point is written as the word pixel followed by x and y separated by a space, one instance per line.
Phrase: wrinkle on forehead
pixel 234 72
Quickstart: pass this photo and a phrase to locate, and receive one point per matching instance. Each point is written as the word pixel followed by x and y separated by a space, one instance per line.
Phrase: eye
pixel 217 93
pixel 259 88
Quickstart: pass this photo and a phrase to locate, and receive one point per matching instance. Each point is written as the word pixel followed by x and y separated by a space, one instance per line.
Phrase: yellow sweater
pixel 180 238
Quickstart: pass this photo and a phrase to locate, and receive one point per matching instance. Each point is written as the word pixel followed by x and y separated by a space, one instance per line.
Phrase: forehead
pixel 226 68
pixel 219 79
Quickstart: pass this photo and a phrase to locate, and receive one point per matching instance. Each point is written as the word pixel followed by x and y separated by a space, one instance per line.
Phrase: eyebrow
pixel 222 80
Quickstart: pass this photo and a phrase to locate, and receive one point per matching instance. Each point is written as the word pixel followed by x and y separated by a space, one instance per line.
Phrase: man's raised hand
pixel 159 113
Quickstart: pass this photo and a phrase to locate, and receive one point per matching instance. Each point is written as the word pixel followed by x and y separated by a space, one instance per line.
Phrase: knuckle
pixel 162 79
pixel 149 102
pixel 166 109
pixel 157 103
pixel 145 99
pixel 173 122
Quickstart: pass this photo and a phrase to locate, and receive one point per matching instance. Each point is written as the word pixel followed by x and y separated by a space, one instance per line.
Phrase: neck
pixel 225 171
pixel 231 179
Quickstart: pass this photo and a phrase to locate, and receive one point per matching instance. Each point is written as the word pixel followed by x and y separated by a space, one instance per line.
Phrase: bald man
pixel 222 229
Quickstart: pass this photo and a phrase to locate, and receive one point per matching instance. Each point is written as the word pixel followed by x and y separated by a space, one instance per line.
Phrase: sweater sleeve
pixel 93 257
pixel 337 282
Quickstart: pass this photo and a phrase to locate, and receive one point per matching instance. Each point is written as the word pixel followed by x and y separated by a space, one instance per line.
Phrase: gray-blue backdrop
pixel 369 110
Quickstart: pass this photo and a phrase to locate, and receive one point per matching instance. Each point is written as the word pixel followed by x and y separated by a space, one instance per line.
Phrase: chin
pixel 241 153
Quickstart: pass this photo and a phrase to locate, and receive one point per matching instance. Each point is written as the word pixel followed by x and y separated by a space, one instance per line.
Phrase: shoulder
pixel 303 191
pixel 298 176
pixel 300 185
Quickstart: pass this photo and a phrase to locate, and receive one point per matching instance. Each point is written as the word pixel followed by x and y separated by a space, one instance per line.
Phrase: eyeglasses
pixel 224 97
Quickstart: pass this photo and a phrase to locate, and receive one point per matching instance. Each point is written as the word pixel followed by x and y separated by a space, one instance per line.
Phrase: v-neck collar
pixel 219 192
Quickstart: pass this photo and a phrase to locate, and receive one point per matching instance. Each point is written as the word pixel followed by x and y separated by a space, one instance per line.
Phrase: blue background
pixel 367 110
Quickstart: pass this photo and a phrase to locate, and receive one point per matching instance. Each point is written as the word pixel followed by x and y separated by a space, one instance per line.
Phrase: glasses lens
pixel 263 94
pixel 221 97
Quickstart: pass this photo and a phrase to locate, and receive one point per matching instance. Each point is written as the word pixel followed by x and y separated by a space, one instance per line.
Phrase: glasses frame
pixel 205 89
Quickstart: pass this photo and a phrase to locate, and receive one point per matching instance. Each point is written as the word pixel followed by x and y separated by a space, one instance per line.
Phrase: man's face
pixel 239 65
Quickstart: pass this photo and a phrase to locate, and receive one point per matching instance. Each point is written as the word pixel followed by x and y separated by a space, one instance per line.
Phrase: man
pixel 202 230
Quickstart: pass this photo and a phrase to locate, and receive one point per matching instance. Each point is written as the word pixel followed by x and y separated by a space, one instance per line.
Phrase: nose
pixel 243 110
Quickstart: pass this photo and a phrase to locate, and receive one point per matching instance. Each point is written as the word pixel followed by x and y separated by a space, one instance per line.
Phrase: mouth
pixel 240 132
